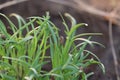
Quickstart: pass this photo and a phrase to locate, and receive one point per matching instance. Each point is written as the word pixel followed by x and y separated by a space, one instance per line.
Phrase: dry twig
pixel 10 3
pixel 82 6
pixel 113 51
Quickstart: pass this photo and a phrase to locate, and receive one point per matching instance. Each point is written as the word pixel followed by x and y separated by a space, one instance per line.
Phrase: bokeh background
pixel 96 13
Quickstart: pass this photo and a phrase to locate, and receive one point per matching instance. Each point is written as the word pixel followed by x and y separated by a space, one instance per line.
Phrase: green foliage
pixel 22 56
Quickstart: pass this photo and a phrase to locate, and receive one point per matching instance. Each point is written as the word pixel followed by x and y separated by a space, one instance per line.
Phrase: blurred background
pixel 98 14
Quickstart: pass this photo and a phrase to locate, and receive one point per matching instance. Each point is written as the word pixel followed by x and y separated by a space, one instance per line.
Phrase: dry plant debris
pixel 95 7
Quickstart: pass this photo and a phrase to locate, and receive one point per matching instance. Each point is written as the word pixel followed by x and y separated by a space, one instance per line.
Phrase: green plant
pixel 22 56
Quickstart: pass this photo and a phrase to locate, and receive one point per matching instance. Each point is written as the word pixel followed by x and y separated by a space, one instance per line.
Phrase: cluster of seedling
pixel 23 53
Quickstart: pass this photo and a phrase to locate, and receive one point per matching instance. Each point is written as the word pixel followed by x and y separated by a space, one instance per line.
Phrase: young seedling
pixel 22 56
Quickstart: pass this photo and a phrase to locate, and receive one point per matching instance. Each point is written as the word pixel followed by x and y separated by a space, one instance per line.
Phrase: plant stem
pixel 113 50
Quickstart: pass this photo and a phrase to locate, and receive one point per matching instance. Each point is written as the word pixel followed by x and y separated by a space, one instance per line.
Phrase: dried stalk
pixel 10 3
pixel 113 51
pixel 82 6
